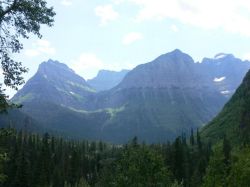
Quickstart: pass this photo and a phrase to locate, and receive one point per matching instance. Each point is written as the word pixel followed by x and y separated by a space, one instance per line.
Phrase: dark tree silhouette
pixel 18 19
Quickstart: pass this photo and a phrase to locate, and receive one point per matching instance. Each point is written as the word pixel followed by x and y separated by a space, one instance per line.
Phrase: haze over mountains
pixel 107 79
pixel 155 101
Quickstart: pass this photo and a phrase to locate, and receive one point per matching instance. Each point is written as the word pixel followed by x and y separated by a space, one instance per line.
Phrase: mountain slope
pixel 66 121
pixel 234 120
pixel 225 71
pixel 56 83
pixel 53 97
pixel 169 70
pixel 160 99
pixel 106 79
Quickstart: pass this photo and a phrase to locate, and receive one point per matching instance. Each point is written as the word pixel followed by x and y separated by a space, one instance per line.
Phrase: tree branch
pixel 8 10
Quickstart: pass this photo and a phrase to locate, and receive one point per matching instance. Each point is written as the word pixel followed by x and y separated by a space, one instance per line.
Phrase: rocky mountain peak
pixel 53 65
pixel 176 56
pixel 171 69
pixel 55 82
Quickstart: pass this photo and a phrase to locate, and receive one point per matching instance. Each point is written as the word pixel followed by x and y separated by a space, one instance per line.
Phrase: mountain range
pixel 155 101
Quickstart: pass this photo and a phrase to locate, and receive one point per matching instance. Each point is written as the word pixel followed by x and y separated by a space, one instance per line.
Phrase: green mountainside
pixel 234 119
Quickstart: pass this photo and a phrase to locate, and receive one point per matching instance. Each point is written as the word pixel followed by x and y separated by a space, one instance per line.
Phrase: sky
pixel 89 35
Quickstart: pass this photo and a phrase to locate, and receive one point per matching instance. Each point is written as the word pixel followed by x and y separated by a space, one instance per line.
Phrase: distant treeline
pixel 31 160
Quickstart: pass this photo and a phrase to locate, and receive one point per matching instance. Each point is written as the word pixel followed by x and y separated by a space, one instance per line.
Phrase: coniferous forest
pixel 30 160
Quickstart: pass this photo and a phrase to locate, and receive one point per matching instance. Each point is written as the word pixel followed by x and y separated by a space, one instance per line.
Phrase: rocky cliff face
pixel 174 69
pixel 165 97
pixel 224 71
pixel 56 83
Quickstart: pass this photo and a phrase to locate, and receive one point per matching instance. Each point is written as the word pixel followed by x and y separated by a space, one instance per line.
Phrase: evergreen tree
pixel 240 171
pixel 192 137
pixel 216 174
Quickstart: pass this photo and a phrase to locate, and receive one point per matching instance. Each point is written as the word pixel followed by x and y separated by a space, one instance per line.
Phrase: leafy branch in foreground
pixel 19 19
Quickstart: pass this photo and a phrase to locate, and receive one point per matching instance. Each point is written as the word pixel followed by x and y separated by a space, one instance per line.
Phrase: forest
pixel 33 160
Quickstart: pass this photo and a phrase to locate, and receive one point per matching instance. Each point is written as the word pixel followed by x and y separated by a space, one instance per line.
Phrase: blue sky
pixel 89 35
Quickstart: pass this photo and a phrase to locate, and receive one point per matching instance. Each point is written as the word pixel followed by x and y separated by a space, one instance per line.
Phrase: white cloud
pixel 31 52
pixel 174 28
pixel 88 64
pixel 131 38
pixel 40 47
pixel 106 13
pixel 219 79
pixel 66 2
pixel 231 15
pixel 117 2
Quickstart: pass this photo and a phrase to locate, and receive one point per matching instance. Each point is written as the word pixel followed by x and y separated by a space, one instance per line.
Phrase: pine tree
pixel 192 137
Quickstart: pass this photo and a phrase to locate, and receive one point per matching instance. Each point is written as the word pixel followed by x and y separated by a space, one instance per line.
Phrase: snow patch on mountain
pixel 225 92
pixel 220 55
pixel 216 79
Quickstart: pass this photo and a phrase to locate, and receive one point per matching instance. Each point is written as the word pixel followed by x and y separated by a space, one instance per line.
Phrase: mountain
pixel 159 100
pixel 174 69
pixel 155 101
pixel 234 120
pixel 54 97
pixel 106 79
pixel 225 71
pixel 55 82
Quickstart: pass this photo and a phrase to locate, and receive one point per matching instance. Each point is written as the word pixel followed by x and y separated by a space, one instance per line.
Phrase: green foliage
pixel 38 161
pixel 139 166
pixel 3 101
pixel 226 150
pixel 17 20
pixel 230 132
pixel 228 172
pixel 234 120
pixel 3 159
pixel 216 173
pixel 35 161
pixel 240 171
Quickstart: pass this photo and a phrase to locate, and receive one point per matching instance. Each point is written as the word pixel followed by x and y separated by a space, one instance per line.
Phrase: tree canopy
pixel 19 19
